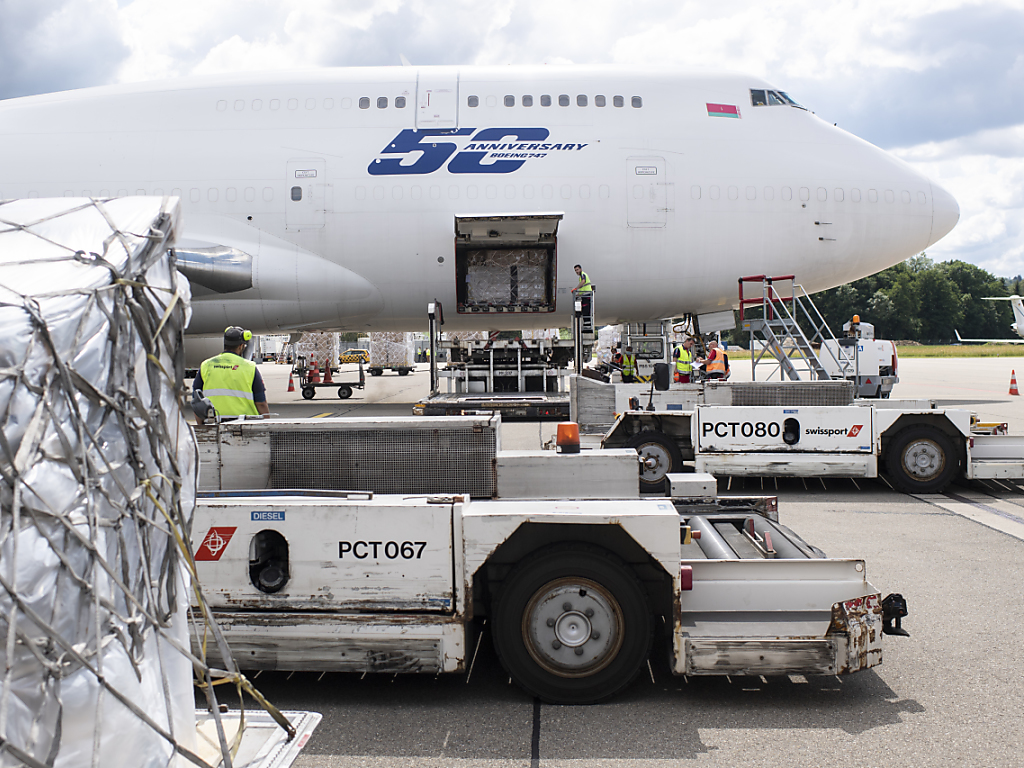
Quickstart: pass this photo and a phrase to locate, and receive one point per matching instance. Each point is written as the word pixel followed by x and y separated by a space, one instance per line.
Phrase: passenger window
pixel 296 193
pixel 399 102
pixel 581 100
pixel 618 101
pixel 637 102
pixel 382 102
pixel 757 98
pixel 527 101
pixel 599 101
pixel 563 100
pixel 545 100
pixel 473 101
pixel 510 101
pixel 364 103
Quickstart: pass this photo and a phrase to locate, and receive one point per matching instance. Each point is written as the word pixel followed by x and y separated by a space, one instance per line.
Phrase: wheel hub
pixel 923 459
pixel 656 463
pixel 572 627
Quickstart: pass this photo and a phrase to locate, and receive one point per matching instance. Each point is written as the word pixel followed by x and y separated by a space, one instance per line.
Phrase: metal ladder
pixel 779 332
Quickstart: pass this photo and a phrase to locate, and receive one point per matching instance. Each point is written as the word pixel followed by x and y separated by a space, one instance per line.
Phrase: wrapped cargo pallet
pixel 318 345
pixel 392 349
pixel 97 489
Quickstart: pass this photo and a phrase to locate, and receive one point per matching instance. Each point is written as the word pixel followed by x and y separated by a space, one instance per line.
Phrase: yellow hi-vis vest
pixel 684 363
pixel 227 381
pixel 585 286
pixel 628 364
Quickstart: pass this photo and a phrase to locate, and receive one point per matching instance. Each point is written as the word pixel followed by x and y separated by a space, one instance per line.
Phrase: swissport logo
pixel 214 543
pixel 852 432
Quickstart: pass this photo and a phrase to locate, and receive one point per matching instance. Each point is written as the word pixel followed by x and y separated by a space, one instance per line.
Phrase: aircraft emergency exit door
pixel 305 199
pixel 646 192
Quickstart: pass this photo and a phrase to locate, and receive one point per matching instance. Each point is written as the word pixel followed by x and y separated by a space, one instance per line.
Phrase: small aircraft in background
pixel 1018 327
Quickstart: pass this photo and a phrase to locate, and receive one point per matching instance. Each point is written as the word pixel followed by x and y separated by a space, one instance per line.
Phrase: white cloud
pixel 985 173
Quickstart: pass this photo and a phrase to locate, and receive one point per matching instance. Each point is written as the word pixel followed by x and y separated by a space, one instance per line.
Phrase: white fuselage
pixel 665 204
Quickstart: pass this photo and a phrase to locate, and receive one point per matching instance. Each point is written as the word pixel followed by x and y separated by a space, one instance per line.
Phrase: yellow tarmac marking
pixel 321 415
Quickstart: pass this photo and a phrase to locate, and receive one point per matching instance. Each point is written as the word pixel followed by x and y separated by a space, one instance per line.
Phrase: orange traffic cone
pixel 1013 383
pixel 314 375
pixel 327 374
pixel 291 382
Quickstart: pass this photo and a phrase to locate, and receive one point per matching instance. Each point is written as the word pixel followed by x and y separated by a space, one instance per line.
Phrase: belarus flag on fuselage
pixel 723 110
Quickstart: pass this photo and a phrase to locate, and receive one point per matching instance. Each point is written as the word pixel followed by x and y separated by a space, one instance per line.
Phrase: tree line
pixel 919 300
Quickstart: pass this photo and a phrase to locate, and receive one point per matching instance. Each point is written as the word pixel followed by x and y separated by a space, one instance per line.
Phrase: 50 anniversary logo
pixel 506 149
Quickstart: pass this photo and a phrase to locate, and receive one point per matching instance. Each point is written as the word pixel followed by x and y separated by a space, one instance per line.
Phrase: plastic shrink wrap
pixel 392 349
pixel 98 478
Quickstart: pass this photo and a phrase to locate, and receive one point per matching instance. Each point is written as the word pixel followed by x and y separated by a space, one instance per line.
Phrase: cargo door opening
pixel 506 263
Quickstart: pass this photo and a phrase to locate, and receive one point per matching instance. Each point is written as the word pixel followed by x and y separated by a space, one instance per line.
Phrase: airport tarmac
pixel 949 695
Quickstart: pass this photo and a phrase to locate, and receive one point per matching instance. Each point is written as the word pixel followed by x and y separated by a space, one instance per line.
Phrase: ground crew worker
pixel 628 366
pixel 232 383
pixel 584 285
pixel 715 367
pixel 684 361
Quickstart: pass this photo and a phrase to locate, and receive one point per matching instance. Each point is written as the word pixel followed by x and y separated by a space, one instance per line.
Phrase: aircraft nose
pixel 945 213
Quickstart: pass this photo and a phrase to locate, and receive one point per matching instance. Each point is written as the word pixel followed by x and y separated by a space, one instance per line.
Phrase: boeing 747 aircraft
pixel 350 198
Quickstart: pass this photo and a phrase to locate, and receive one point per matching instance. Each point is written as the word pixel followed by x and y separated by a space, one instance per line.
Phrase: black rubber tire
pixel 403 371
pixel 536 587
pixel 309 392
pixel 376 372
pixel 657 445
pixel 344 391
pixel 931 451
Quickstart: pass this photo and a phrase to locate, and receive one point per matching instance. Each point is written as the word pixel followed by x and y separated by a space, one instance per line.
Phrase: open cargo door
pixel 506 263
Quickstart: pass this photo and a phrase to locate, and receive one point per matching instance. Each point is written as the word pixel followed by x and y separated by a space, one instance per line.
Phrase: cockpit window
pixel 766 98
pixel 790 101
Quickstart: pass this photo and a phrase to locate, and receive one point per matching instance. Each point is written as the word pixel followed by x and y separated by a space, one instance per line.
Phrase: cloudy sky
pixel 940 83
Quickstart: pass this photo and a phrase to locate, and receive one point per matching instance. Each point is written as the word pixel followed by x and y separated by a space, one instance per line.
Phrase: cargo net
pixel 418 461
pixel 515 279
pixel 319 346
pixel 392 349
pixel 97 492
